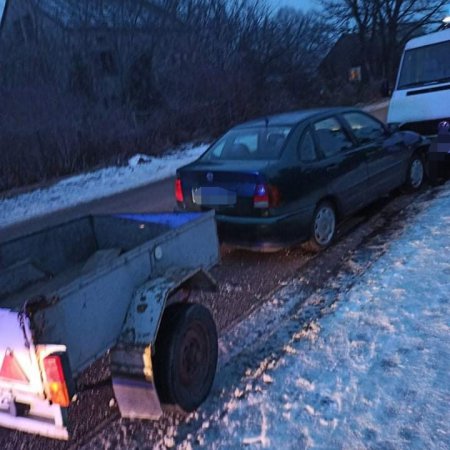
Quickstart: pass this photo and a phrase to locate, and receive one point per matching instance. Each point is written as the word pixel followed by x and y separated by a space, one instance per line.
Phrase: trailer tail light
pixel 57 388
pixel 11 369
pixel 266 196
pixel 179 191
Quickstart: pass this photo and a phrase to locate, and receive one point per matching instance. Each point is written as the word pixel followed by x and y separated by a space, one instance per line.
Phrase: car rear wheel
pixel 416 173
pixel 323 228
pixel 185 357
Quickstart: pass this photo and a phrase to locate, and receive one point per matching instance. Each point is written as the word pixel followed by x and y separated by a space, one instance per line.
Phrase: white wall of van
pixel 421 98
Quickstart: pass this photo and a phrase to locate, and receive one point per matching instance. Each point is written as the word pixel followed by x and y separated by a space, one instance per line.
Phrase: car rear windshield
pixel 425 65
pixel 259 143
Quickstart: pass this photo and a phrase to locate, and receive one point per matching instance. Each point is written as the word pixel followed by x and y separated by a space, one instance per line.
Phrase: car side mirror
pixel 392 128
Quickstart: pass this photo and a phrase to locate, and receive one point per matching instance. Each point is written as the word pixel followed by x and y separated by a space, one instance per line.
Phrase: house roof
pixel 347 47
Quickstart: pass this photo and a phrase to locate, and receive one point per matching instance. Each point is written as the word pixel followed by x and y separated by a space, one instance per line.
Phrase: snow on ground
pixel 371 373
pixel 377 106
pixel 84 188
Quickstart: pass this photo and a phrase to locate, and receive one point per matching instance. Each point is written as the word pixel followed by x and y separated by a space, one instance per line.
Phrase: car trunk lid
pixel 228 187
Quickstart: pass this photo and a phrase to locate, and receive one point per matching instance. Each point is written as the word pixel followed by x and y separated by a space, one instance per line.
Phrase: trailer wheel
pixel 185 357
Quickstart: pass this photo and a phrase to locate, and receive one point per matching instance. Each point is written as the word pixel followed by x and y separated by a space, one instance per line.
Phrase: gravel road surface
pixel 247 281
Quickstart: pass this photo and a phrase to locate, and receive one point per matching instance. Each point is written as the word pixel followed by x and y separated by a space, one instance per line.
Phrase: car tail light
pixel 266 196
pixel 179 191
pixel 57 388
pixel 11 369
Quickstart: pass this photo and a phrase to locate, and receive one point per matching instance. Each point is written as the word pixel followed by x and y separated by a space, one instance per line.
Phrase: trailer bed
pixel 76 279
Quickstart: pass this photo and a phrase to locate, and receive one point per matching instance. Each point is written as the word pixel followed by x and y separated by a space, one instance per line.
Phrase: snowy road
pixel 369 371
pixel 355 358
pixel 142 185
pixel 93 186
pixel 247 282
pixel 296 374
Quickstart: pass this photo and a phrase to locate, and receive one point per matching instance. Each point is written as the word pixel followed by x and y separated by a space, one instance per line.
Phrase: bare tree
pixel 107 78
pixel 383 27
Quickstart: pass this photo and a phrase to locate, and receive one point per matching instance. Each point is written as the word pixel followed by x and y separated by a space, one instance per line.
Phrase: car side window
pixel 218 149
pixel 250 140
pixel 307 148
pixel 331 137
pixel 364 127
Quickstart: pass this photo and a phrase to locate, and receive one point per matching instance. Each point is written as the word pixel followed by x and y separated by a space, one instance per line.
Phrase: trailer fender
pixel 131 361
pixel 147 306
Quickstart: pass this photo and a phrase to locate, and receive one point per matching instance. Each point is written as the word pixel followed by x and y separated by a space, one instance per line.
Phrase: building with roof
pixel 345 60
pixel 97 46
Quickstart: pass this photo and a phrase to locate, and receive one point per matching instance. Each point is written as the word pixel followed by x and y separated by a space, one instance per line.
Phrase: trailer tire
pixel 185 357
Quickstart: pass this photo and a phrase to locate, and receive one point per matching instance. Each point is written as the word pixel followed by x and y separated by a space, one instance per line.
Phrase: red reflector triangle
pixel 11 369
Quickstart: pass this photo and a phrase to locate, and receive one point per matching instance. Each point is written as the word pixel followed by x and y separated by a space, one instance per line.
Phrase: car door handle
pixel 332 167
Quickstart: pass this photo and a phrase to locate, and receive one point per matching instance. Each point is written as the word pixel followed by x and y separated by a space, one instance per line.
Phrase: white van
pixel 421 98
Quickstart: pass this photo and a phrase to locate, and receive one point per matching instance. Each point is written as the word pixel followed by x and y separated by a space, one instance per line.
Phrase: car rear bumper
pixel 264 234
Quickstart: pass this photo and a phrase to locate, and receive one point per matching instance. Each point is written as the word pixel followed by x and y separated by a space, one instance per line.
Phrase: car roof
pixel 293 117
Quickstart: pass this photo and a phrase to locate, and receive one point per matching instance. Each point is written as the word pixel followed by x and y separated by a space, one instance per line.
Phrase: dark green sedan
pixel 290 178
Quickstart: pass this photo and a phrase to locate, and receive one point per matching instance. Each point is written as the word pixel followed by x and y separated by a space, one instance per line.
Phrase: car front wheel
pixel 323 228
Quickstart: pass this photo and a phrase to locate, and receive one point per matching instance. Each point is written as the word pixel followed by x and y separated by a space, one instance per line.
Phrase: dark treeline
pixel 85 83
pixel 104 80
pixel 383 27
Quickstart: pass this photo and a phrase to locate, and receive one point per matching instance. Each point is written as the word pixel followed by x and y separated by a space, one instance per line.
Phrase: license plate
pixel 213 196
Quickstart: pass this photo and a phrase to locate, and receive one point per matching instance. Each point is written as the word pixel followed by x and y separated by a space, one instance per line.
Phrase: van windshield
pixel 258 143
pixel 425 65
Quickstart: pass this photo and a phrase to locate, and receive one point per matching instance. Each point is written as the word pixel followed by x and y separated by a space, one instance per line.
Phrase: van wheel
pixel 415 175
pixel 323 229
pixel 185 357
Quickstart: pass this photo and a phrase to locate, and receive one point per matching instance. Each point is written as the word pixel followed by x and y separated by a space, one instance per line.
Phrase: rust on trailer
pixel 145 312
pixel 28 311
pixel 39 303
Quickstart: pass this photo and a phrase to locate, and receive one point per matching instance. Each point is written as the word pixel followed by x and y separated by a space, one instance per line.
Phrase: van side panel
pixel 422 106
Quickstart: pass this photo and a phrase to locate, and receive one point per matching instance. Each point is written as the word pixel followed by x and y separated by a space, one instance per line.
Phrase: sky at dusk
pixel 300 4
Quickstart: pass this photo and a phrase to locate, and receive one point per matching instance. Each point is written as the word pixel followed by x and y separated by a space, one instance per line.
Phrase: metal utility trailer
pixel 71 293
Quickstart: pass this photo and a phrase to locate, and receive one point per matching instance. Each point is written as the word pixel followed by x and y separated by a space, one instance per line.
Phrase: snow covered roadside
pixel 377 106
pixel 371 373
pixel 94 185
pixel 103 183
